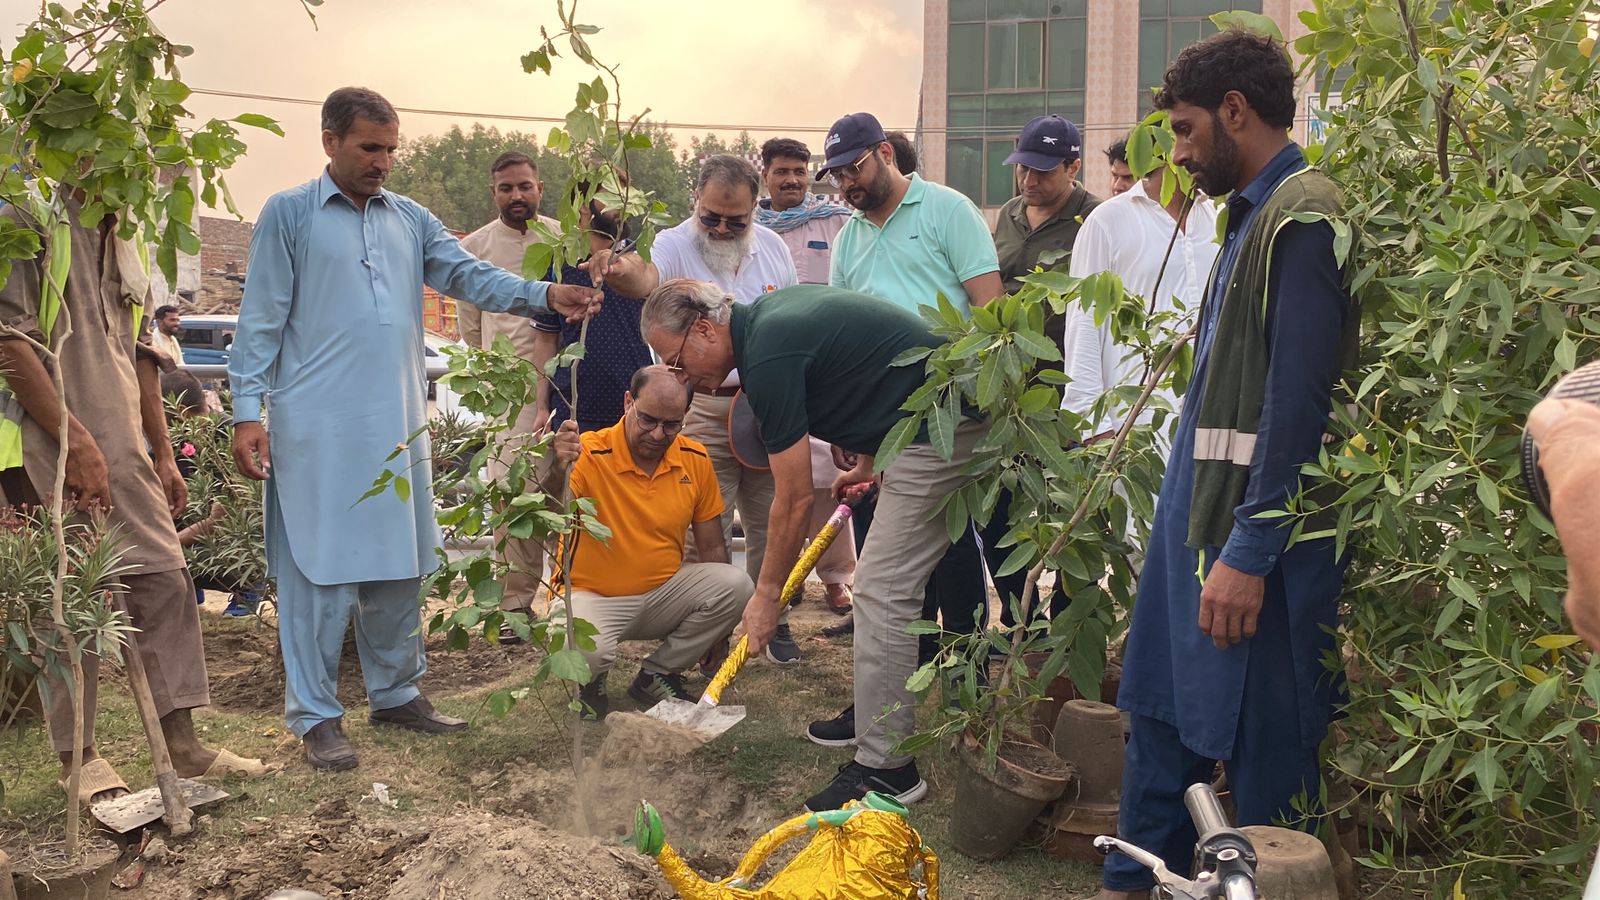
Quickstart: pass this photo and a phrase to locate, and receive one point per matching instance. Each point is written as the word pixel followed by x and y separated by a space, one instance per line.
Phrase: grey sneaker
pixel 782 649
pixel 650 688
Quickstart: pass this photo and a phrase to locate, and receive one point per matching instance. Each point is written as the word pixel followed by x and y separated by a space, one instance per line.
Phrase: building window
pixel 1168 26
pixel 1009 61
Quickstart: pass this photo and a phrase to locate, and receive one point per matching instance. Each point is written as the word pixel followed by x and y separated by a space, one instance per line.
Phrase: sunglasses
pixel 715 221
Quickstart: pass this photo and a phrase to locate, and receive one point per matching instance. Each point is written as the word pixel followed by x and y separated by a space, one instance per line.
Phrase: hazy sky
pixel 734 62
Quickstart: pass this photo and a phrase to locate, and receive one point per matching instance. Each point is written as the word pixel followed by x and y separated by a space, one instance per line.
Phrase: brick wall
pixel 224 253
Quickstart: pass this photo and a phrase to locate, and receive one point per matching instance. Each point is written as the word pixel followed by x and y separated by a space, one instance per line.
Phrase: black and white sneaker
pixel 782 649
pixel 650 688
pixel 596 705
pixel 854 780
pixel 839 731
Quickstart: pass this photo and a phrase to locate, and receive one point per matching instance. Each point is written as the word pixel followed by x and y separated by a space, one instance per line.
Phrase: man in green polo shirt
pixel 816 360
pixel 1045 217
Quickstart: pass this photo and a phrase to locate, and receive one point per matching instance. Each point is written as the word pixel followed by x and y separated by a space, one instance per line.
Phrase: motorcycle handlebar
pixel 1204 809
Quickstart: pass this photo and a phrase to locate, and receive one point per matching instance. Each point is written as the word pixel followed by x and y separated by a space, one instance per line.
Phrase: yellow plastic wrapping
pixel 870 855
pixel 791 589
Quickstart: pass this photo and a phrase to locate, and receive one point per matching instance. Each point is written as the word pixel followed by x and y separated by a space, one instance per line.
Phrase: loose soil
pixel 246 670
pixel 635 738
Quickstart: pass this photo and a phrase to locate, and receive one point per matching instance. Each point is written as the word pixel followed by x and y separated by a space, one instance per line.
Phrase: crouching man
pixel 651 486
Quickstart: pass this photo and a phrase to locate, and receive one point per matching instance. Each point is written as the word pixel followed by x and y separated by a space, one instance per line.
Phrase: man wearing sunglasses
pixel 651 486
pixel 721 243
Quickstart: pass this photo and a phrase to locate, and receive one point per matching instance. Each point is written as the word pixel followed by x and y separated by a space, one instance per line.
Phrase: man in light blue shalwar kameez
pixel 329 345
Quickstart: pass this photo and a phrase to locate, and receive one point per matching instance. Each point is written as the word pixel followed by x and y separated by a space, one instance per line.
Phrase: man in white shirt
pixel 517 190
pixel 165 326
pixel 1128 235
pixel 721 243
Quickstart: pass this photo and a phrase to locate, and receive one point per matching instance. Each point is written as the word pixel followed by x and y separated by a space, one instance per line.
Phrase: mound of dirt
pixel 490 858
pixel 340 852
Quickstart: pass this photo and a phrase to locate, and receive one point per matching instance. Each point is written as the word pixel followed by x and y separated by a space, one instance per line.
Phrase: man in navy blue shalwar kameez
pixel 1232 668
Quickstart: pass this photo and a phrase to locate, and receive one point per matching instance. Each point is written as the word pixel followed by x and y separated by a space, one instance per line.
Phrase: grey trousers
pixel 906 541
pixel 695 608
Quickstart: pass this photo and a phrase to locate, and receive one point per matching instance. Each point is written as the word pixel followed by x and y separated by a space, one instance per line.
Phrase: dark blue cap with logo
pixel 1046 142
pixel 848 139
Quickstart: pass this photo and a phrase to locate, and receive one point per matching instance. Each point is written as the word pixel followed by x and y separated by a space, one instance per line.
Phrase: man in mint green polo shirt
pixel 909 240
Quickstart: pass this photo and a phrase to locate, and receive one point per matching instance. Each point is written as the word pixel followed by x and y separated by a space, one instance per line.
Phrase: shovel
pixel 172 797
pixel 707 718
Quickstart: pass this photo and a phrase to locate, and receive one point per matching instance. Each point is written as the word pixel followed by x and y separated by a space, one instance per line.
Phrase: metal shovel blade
pixel 130 811
pixel 703 719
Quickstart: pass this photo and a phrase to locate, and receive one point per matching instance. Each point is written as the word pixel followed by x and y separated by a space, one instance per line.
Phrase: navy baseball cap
pixel 848 139
pixel 1046 142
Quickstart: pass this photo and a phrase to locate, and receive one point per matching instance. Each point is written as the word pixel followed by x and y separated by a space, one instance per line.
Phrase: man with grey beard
pixel 720 243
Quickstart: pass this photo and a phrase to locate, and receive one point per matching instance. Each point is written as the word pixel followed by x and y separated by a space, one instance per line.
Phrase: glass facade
pixel 1168 26
pixel 1009 61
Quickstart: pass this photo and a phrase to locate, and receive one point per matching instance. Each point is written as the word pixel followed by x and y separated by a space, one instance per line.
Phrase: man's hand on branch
pixel 567 445
pixel 574 301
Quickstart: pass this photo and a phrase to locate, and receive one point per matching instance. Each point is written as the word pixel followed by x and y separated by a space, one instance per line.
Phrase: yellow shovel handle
pixel 791 589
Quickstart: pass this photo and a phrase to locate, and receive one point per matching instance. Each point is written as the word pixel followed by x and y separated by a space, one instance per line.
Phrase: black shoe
pixel 596 705
pixel 418 715
pixel 847 626
pixel 839 731
pixel 650 688
pixel 782 649
pixel 854 780
pixel 327 747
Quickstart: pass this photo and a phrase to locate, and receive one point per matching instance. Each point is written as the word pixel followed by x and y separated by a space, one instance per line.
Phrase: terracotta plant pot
pixel 1088 735
pixel 994 809
pixel 1291 865
pixel 90 879
pixel 1061 690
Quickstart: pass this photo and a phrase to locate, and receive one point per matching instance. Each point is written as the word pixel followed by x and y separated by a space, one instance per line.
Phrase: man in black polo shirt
pixel 816 360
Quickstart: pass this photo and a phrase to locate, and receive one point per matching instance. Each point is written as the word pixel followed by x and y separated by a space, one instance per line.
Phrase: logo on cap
pixel 832 139
pixel 1049 140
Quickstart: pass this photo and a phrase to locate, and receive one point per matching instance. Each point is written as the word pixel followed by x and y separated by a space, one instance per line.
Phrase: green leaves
pixel 68 109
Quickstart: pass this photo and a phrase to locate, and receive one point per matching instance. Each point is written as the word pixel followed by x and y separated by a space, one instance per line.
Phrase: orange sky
pixel 801 62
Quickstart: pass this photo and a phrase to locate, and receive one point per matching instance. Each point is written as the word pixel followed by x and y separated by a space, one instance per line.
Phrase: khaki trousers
pixel 161 605
pixel 694 609
pixel 750 491
pixel 906 541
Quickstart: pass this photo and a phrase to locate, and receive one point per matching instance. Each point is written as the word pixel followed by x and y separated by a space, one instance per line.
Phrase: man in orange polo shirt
pixel 651 486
